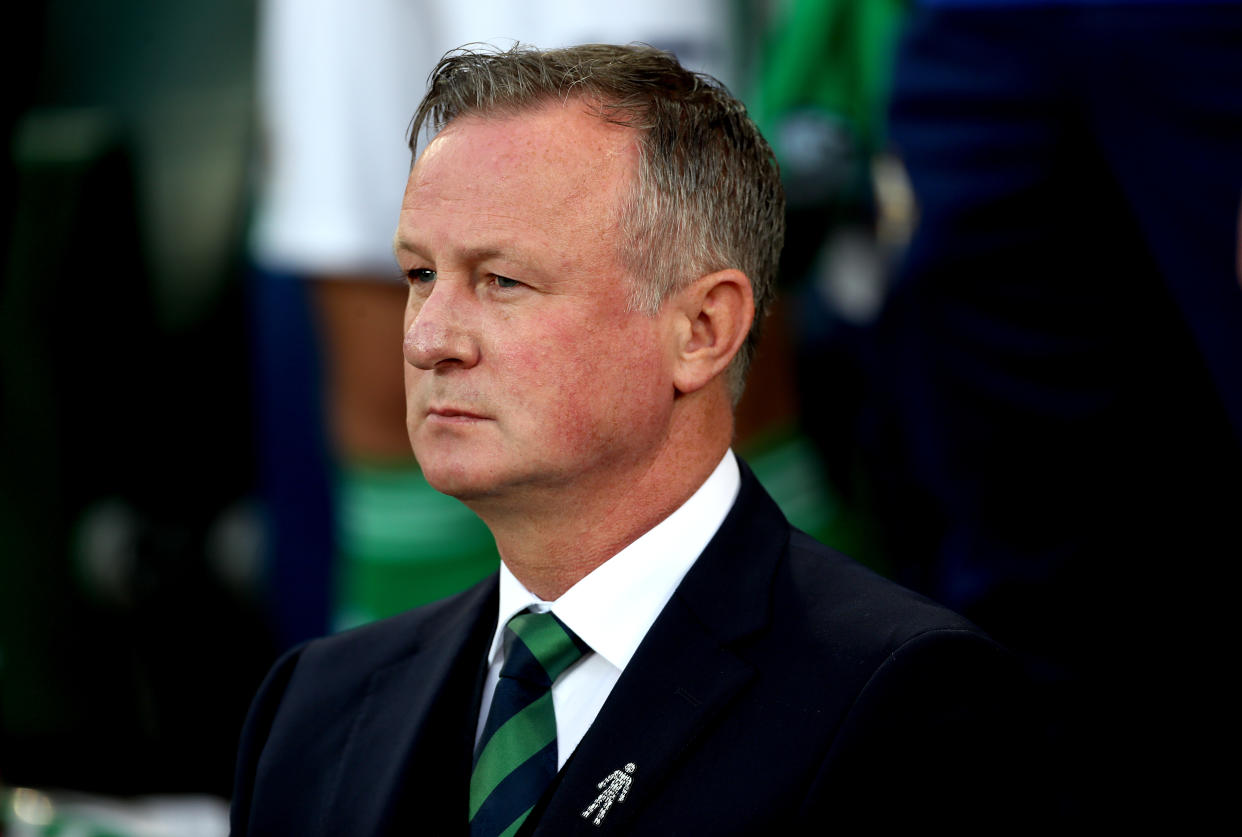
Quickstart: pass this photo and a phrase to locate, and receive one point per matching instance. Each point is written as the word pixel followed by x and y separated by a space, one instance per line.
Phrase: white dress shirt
pixel 614 606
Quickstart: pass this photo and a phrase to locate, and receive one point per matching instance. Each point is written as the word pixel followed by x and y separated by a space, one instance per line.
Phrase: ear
pixel 712 318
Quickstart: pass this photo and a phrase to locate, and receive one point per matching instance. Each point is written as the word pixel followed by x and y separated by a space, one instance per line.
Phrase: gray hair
pixel 708 194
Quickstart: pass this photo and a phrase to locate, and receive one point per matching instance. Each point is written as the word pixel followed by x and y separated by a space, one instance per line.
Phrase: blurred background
pixel 1003 369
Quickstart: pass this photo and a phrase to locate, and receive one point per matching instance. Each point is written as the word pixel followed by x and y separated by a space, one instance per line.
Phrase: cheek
pixel 593 392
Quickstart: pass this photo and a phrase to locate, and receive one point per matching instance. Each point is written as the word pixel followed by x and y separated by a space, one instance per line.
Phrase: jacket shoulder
pixel 869 608
pixel 305 712
pixel 369 647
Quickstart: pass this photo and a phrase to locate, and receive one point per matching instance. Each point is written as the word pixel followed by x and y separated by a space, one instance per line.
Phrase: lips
pixel 454 413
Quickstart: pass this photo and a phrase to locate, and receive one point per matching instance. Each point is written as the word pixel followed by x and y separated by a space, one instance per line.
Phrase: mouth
pixel 453 414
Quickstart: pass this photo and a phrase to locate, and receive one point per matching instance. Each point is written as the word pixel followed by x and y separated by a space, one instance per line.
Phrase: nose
pixel 442 332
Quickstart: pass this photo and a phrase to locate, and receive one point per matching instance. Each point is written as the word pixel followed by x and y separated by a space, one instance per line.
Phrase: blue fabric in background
pixel 294 463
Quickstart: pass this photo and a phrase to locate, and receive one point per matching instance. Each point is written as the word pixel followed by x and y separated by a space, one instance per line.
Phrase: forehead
pixel 558 160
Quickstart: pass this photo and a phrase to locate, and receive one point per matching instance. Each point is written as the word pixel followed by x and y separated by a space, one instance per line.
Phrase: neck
pixel 551 543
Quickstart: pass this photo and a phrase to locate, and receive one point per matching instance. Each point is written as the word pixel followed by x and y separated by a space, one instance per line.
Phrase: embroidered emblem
pixel 615 787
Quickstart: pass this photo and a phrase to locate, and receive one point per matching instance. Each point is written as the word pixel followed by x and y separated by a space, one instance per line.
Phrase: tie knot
pixel 539 647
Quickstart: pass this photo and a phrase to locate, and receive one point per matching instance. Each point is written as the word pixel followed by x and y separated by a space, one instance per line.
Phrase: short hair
pixel 708 194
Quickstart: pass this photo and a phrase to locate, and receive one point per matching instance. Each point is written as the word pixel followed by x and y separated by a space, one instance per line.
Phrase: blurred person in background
pixel 1061 368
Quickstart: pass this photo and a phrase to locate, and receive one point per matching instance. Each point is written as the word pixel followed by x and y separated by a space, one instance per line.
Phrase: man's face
pixel 527 376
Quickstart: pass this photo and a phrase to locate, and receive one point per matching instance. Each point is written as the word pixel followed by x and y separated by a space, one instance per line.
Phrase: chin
pixel 457 479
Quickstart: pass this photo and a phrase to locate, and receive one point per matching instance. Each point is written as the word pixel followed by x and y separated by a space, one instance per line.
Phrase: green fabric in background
pixel 402 544
pixel 831 55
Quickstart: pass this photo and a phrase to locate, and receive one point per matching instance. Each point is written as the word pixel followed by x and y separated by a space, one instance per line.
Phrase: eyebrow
pixel 401 244
pixel 471 254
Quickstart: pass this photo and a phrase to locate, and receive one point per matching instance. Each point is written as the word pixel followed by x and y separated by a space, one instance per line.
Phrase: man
pixel 590 241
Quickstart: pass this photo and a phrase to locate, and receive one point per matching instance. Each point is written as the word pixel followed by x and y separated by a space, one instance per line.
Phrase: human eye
pixel 420 276
pixel 504 282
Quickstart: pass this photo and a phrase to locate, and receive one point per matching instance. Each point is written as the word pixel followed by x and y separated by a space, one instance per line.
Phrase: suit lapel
pixel 414 733
pixel 684 674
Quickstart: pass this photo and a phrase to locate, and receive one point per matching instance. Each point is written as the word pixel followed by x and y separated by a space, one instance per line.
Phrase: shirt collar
pixel 613 606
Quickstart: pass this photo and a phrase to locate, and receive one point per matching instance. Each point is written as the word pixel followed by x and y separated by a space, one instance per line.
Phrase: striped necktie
pixel 516 757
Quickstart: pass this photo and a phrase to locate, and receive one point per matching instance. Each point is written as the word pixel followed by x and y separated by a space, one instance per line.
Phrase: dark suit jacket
pixel 784 689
